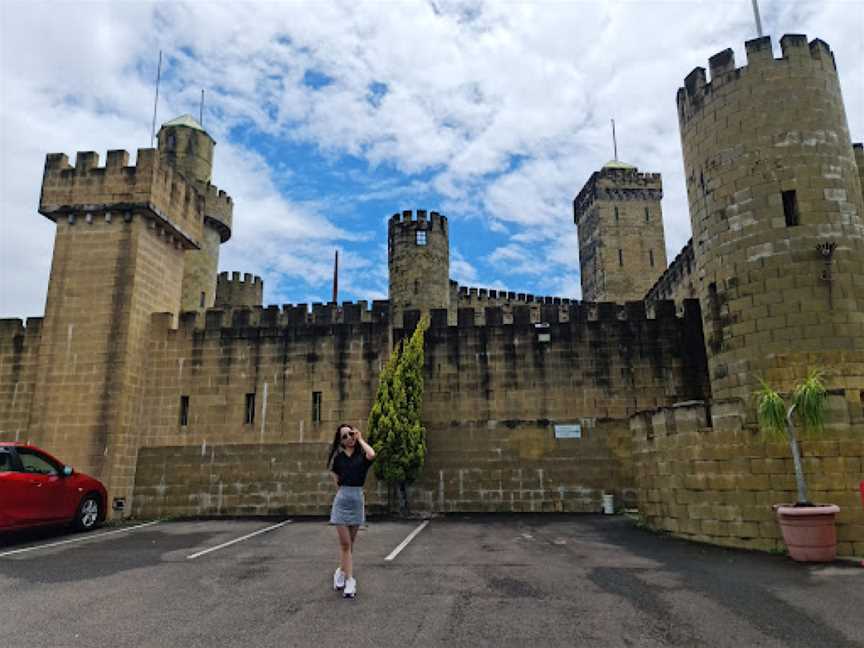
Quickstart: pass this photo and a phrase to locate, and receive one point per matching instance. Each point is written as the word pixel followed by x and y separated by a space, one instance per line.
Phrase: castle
pixel 174 385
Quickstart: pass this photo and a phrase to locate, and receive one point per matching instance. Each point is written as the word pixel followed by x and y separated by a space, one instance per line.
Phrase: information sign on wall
pixel 570 431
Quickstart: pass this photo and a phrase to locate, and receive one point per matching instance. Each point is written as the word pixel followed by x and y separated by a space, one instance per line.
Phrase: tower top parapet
pixel 617 181
pixel 150 186
pixel 698 91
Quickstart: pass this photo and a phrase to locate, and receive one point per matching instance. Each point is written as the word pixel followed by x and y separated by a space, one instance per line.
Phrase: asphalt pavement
pixel 561 580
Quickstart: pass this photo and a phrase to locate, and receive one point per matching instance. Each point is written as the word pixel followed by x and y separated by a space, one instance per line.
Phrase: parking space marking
pixel 80 539
pixel 405 542
pixel 236 540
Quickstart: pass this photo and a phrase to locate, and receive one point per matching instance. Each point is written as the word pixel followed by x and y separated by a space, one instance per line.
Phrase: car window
pixel 36 463
pixel 5 461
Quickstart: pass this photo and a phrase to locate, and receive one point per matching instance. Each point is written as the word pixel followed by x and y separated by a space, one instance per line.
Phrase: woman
pixel 349 461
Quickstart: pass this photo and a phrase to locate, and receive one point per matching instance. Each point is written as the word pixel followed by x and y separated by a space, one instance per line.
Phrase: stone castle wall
pixel 493 395
pixel 704 473
pixel 19 359
pixel 679 281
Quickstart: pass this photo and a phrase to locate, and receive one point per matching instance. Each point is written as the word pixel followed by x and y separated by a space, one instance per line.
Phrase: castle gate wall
pixel 705 474
pixel 493 395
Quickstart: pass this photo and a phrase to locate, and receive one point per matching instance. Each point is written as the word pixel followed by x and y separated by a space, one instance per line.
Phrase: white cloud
pixel 498 111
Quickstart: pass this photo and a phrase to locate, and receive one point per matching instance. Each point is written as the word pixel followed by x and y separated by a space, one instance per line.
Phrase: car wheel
pixel 88 514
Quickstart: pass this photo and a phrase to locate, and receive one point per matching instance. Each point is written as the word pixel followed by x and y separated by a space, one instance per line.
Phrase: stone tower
pixel 186 146
pixel 232 291
pixel 418 255
pixel 776 211
pixel 622 249
pixel 121 236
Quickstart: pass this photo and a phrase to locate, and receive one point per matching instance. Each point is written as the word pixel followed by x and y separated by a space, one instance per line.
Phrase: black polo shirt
pixel 352 470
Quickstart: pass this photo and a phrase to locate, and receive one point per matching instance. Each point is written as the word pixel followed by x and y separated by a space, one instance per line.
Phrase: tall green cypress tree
pixel 395 429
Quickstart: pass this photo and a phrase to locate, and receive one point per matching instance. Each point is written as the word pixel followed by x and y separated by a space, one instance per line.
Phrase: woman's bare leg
pixel 345 542
pixel 353 531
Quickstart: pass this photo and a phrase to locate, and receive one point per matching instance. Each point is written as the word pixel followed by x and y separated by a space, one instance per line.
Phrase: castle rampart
pixel 776 211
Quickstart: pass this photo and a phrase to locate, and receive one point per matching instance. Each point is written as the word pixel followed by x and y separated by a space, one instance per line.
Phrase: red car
pixel 37 489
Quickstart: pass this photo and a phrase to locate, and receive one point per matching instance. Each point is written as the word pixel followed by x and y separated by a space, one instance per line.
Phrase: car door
pixel 14 490
pixel 46 496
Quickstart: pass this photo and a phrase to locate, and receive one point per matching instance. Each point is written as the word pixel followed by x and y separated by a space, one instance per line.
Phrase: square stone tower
pixel 622 249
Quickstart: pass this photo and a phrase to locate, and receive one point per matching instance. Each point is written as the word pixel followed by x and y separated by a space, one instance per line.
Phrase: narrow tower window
pixel 620 257
pixel 647 215
pixel 421 237
pixel 416 286
pixel 651 257
pixel 316 407
pixel 616 215
pixel 202 299
pixel 249 415
pixel 790 208
pixel 184 410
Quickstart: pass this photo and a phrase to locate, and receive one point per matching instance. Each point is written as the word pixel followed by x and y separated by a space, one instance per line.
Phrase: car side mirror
pixel 67 471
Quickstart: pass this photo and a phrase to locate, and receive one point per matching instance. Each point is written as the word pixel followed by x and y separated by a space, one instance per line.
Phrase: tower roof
pixel 617 164
pixel 185 120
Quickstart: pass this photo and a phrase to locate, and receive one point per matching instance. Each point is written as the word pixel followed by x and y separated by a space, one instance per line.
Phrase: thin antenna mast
pixel 758 19
pixel 201 112
pixel 156 101
pixel 614 142
pixel 336 278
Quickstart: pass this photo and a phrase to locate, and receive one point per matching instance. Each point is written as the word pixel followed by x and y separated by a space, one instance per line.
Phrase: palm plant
pixel 808 403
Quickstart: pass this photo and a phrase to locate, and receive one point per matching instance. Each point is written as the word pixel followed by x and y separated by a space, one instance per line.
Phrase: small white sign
pixel 573 431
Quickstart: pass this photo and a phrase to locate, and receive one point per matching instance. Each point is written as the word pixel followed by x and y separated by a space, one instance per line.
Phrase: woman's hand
pixel 367 449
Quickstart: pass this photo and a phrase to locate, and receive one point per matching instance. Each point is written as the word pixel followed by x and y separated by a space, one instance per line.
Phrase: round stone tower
pixel 185 145
pixel 776 211
pixel 418 255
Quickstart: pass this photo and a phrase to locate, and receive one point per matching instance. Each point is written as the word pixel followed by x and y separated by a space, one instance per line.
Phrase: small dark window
pixel 202 299
pixel 421 237
pixel 651 257
pixel 790 208
pixel 416 286
pixel 620 257
pixel 249 415
pixel 184 410
pixel 172 141
pixel 647 215
pixel 316 407
pixel 616 215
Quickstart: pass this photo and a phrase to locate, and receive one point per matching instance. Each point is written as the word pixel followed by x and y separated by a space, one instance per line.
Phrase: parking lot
pixel 461 581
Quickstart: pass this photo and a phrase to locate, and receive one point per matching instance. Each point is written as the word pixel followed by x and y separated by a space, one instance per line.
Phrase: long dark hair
pixel 337 443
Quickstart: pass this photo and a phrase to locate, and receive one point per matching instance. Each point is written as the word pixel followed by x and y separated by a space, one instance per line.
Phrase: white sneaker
pixel 338 579
pixel 350 588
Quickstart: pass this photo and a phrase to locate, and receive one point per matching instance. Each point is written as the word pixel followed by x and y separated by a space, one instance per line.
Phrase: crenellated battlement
pixel 218 210
pixel 149 188
pixel 470 294
pixel 698 91
pixel 11 328
pixel 278 317
pixel 542 315
pixel 418 219
pixel 619 184
pixel 678 271
pixel 234 291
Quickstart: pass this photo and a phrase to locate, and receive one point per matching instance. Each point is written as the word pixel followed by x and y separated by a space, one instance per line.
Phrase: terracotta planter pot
pixel 809 531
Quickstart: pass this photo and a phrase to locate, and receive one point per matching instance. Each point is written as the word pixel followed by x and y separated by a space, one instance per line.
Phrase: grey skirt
pixel 348 509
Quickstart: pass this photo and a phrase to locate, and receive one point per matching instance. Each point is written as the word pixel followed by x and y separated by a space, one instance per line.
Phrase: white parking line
pixel 405 542
pixel 236 540
pixel 79 539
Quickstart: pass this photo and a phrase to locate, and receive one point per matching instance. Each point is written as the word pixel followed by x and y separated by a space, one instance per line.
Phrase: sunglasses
pixel 346 435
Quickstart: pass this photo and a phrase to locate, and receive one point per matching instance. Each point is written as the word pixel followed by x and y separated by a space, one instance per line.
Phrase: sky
pixel 331 116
